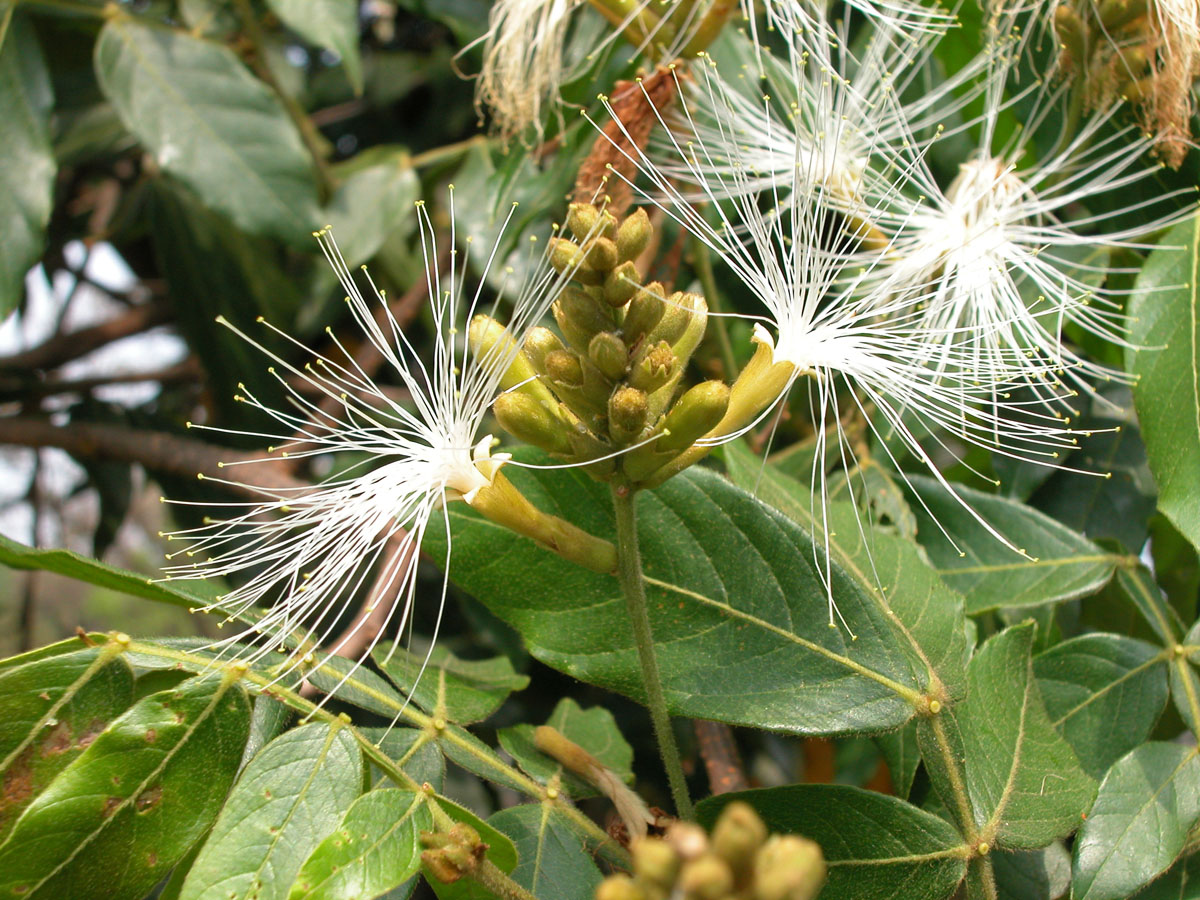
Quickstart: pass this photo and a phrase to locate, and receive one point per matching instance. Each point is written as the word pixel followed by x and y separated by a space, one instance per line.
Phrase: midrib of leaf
pixel 408 814
pixel 1189 688
pixel 993 824
pixel 1117 559
pixel 906 692
pixel 106 654
pixel 955 772
pixel 266 683
pixel 226 682
pixel 541 843
pixel 1195 351
pixel 962 851
pixel 200 123
pixel 1153 661
pixel 1138 580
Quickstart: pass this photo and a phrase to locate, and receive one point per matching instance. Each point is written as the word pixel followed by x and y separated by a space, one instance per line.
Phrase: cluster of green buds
pixel 453 854
pixel 738 862
pixel 607 391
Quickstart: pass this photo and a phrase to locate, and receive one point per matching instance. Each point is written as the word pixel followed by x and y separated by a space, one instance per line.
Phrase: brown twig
pixel 721 758
pixel 63 348
pixel 153 449
pixel 16 388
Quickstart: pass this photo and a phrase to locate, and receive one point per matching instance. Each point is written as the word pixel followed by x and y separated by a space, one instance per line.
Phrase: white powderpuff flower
pixel 300 556
pixel 826 318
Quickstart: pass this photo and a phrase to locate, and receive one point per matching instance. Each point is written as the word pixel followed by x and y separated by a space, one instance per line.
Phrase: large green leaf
pixel 552 862
pixel 593 729
pixel 735 601
pixel 373 202
pixel 1165 327
pixel 332 24
pixel 877 847
pixel 1025 874
pixel 1025 785
pixel 115 821
pixel 207 120
pixel 1182 882
pixel 460 690
pixel 1103 692
pixel 375 848
pixel 286 801
pixel 1147 804
pixel 1062 564
pixel 50 711
pixel 882 565
pixel 27 176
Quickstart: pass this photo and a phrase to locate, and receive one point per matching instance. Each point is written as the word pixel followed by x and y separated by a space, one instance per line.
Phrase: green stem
pixel 447 152
pixel 629 572
pixel 500 884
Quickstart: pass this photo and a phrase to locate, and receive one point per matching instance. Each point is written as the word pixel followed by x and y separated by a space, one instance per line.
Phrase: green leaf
pixel 989 574
pixel 553 863
pixel 27 176
pixel 1147 598
pixel 354 683
pixel 372 203
pixel 51 710
pixel 286 801
pixel 877 847
pixel 1103 692
pixel 1025 785
pixel 116 820
pixel 1182 882
pixel 1165 358
pixel 188 594
pixel 902 754
pixel 1024 874
pixel 413 751
pixel 1185 684
pixel 208 121
pixel 734 598
pixel 460 690
pixel 595 730
pixel 1146 805
pixel 332 24
pixel 375 848
pixel 884 567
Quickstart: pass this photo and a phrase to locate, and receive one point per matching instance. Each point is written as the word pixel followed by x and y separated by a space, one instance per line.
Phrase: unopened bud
pixel 693 333
pixel 601 254
pixel 687 839
pixel 580 316
pixel 633 237
pixel 565 255
pixel 538 343
pixel 583 219
pixel 493 345
pixel 694 415
pixel 619 887
pixel 738 835
pixel 655 863
pixel 530 421
pixel 453 854
pixel 652 366
pixel 1116 14
pixel 643 312
pixel 705 878
pixel 789 868
pixel 621 284
pixel 609 354
pixel 563 367
pixel 627 408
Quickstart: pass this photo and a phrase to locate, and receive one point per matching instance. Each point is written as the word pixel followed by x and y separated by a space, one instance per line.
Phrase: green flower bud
pixel 739 832
pixel 609 354
pixel 539 342
pixel 582 219
pixel 652 366
pixel 789 868
pixel 705 878
pixel 580 316
pixel 687 839
pixel 633 237
pixel 655 863
pixel 621 284
pixel 693 333
pixel 530 421
pixel 453 854
pixel 489 340
pixel 643 313
pixel 601 254
pixel 627 409
pixel 694 415
pixel 565 255
pixel 619 887
pixel 563 367
pixel 676 315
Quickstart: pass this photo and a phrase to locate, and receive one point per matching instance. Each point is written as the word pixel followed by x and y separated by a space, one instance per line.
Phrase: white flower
pixel 306 553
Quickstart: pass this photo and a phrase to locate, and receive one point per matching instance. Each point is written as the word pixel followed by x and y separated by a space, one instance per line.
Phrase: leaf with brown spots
pixel 51 709
pixel 125 810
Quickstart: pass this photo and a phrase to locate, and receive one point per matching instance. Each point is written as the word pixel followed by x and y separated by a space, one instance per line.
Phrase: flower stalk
pixel 629 572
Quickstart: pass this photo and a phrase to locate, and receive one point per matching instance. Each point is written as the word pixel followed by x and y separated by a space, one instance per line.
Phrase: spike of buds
pixel 621 284
pixel 580 316
pixel 705 878
pixel 737 837
pixel 655 863
pixel 627 409
pixel 694 415
pixel 643 313
pixel 538 343
pixel 532 422
pixel 563 367
pixel 491 341
pixel 609 354
pixel 789 867
pixel 601 254
pixel 652 366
